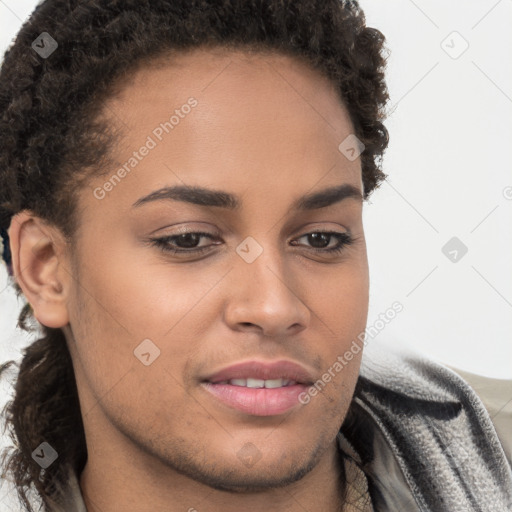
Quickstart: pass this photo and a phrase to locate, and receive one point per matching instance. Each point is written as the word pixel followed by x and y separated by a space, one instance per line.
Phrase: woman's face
pixel 149 327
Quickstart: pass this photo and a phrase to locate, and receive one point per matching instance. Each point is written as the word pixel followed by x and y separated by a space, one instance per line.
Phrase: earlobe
pixel 38 254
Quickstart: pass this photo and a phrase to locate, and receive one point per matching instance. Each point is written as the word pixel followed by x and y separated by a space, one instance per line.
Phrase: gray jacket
pixel 425 440
pixel 421 436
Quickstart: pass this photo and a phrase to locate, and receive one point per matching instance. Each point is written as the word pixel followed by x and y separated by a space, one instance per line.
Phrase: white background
pixel 448 163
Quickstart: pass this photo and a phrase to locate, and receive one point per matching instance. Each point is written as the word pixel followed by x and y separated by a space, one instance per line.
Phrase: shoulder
pixel 496 397
pixel 403 374
pixel 432 423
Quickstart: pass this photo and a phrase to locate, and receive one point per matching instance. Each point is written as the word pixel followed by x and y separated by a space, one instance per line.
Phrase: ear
pixel 41 267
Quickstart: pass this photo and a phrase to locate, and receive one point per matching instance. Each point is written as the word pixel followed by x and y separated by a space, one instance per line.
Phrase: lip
pixel 259 401
pixel 266 370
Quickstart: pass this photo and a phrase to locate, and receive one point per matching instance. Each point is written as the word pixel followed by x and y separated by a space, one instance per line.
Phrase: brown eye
pixel 321 239
pixel 183 243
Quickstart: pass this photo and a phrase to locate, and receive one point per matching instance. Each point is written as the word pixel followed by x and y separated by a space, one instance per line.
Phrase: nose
pixel 266 297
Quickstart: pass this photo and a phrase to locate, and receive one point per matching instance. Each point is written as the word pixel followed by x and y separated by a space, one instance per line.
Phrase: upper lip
pixel 263 370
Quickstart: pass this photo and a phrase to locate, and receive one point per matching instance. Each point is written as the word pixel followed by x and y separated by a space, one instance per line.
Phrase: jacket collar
pixel 423 437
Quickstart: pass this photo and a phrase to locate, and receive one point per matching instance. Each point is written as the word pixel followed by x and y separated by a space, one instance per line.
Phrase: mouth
pixel 255 383
pixel 259 388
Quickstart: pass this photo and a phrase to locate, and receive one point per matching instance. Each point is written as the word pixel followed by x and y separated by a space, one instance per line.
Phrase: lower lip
pixel 257 401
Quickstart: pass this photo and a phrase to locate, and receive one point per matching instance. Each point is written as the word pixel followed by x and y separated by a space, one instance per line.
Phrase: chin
pixel 259 478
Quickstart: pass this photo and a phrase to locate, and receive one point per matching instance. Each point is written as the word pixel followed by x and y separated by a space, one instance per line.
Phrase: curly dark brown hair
pixel 54 139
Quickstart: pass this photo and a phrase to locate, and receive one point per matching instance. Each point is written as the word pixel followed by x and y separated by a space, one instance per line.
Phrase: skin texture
pixel 266 128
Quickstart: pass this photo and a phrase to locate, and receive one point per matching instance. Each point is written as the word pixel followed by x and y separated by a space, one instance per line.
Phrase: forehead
pixel 235 89
pixel 261 121
pixel 198 68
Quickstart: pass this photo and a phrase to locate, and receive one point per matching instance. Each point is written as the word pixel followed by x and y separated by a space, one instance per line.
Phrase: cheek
pixel 142 295
pixel 121 304
pixel 114 331
pixel 343 310
pixel 342 296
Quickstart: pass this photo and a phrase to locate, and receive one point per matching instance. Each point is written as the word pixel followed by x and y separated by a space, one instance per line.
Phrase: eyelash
pixel 345 239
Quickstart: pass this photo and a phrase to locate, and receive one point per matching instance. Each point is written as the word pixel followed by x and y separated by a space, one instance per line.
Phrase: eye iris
pixel 315 237
pixel 187 237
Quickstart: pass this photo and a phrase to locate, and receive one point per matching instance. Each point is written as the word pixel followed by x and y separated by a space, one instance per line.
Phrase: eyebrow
pixel 218 198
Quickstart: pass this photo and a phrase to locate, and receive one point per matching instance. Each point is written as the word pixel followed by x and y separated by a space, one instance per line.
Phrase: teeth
pixel 275 383
pixel 260 383
pixel 255 383
pixel 238 382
